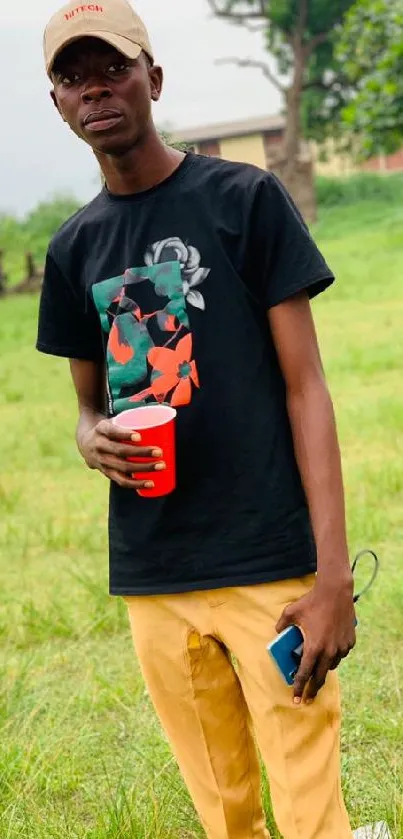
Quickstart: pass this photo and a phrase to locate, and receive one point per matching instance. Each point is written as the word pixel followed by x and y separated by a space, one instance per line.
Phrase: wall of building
pixel 249 149
pixel 385 163
pixel 271 142
pixel 211 148
pixel 330 162
pixel 258 149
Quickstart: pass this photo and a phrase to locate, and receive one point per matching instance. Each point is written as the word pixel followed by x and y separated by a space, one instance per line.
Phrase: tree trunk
pixel 290 166
pixel 293 130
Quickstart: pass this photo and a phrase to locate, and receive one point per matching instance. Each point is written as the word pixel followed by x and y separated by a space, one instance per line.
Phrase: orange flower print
pixel 120 351
pixel 173 370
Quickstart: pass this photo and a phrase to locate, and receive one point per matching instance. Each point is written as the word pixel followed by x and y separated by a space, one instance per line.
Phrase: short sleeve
pixel 284 258
pixel 68 322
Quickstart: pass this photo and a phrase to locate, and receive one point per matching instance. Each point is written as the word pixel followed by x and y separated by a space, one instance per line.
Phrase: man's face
pixel 103 96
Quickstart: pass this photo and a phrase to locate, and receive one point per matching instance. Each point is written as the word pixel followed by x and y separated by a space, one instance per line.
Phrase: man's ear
pixel 156 77
pixel 56 104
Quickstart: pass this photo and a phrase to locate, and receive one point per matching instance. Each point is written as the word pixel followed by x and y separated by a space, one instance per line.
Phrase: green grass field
pixel 81 754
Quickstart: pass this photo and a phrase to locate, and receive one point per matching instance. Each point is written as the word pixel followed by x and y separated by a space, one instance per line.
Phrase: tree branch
pixel 258 27
pixel 315 42
pixel 295 36
pixel 258 65
pixel 226 13
pixel 302 18
pixel 319 84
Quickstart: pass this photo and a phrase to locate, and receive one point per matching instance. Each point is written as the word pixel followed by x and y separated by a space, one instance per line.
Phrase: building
pixel 244 141
pixel 385 163
pixel 255 141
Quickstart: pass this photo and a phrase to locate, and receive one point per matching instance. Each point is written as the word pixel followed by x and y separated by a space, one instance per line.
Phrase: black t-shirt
pixel 191 267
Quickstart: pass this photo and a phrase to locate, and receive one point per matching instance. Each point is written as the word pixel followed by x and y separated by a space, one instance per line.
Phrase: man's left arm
pixel 326 615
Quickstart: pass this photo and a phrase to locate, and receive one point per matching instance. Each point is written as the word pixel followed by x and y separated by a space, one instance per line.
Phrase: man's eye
pixel 117 67
pixel 71 78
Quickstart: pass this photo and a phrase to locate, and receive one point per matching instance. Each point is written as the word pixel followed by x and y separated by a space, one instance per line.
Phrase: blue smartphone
pixel 288 648
pixel 286 651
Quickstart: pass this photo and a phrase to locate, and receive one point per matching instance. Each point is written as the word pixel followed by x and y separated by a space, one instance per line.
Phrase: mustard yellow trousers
pixel 212 712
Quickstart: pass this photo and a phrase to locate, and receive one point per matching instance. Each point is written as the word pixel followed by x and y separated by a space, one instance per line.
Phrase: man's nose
pixel 95 92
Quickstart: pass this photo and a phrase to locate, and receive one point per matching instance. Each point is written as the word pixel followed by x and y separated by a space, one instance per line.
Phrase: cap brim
pixel 123 45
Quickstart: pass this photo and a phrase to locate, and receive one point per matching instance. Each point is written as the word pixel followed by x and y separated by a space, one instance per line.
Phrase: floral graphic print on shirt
pixel 150 349
pixel 189 258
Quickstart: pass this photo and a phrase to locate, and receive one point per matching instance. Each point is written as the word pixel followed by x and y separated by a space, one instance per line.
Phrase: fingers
pixel 337 662
pixel 318 678
pixel 117 459
pixel 111 432
pixel 287 619
pixel 127 483
pixel 125 468
pixel 313 671
pixel 119 450
pixel 108 429
pixel 305 672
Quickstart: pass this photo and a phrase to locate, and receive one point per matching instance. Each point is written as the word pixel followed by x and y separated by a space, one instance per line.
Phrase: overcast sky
pixel 40 157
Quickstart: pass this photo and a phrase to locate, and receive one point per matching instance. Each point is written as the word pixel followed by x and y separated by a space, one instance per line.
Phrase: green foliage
pixel 32 233
pixel 180 146
pixel 284 15
pixel 322 16
pixel 48 216
pixel 371 50
pixel 327 92
pixel 344 192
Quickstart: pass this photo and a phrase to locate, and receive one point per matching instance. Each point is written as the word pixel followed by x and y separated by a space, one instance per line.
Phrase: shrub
pixel 365 186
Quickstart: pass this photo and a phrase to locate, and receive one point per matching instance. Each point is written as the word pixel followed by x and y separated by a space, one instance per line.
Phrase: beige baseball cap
pixel 113 21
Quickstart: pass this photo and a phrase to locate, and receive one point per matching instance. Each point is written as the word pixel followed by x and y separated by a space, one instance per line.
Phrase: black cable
pixel 366 552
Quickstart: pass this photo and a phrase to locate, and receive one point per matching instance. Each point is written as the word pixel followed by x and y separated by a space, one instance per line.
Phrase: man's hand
pixel 326 617
pixel 105 447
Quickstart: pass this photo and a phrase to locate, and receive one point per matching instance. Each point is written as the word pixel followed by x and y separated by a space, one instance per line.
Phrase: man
pixel 187 281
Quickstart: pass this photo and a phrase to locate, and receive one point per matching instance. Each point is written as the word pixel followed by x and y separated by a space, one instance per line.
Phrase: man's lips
pixel 102 120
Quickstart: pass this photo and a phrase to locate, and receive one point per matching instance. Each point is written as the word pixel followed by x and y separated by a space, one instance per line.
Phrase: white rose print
pixel 189 257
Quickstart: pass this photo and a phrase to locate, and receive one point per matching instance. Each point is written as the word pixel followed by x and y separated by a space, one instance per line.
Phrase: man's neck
pixel 148 164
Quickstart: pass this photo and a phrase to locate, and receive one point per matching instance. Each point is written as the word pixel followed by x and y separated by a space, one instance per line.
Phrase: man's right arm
pixel 102 444
pixel 69 327
pixel 89 382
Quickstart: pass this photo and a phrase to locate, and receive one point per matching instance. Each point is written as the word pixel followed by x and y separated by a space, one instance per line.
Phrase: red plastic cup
pixel 157 426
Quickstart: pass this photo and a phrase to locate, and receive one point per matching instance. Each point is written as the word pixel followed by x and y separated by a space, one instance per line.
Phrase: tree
pixel 371 49
pixel 300 35
pixel 166 137
pixel 43 221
